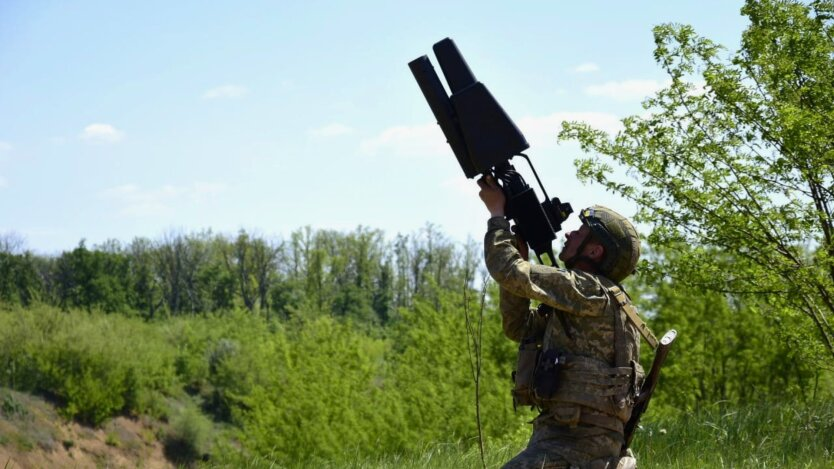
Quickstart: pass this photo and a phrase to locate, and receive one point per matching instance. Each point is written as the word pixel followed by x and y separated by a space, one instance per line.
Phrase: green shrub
pixel 189 435
pixel 92 398
pixel 93 365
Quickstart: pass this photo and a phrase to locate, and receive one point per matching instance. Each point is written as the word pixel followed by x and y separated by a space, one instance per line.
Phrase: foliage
pixel 295 389
pixel 763 434
pixel 356 275
pixel 728 352
pixel 82 361
pixel 92 279
pixel 19 280
pixel 189 435
pixel 327 372
pixel 740 166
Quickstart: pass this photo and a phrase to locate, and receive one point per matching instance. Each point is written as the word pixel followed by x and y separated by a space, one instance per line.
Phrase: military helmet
pixel 619 238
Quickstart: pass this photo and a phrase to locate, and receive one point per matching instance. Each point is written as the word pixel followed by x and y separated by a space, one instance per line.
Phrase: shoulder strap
pixel 620 352
pixel 633 317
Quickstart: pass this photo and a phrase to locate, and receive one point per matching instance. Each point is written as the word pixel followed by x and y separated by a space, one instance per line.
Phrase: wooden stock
pixel 648 386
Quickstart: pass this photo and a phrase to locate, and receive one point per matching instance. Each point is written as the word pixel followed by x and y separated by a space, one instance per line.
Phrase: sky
pixel 127 119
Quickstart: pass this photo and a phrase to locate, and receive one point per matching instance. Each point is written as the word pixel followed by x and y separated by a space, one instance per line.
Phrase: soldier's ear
pixel 595 251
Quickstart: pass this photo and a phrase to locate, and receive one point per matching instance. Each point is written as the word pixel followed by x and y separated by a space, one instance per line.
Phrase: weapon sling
pixel 661 349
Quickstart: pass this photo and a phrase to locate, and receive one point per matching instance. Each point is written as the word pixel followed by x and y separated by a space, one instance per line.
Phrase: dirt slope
pixel 33 435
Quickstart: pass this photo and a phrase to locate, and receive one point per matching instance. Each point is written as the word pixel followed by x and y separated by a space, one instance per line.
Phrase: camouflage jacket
pixel 584 322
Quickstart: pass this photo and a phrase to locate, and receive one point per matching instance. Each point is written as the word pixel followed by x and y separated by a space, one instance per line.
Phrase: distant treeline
pixel 359 274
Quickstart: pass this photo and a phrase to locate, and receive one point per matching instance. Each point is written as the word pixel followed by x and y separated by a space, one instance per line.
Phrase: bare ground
pixel 33 435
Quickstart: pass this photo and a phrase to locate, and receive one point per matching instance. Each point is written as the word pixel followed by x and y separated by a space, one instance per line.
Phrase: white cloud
pixel 625 90
pixel 136 201
pixel 226 92
pixel 331 130
pixel 101 133
pixel 409 141
pixel 586 67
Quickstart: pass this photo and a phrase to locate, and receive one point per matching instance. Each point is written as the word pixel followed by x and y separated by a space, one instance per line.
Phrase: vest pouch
pixel 546 381
pixel 528 355
pixel 565 413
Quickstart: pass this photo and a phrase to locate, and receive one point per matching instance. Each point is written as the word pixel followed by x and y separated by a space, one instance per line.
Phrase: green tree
pixel 19 280
pixel 729 352
pixel 97 278
pixel 735 156
pixel 146 294
pixel 179 260
pixel 238 259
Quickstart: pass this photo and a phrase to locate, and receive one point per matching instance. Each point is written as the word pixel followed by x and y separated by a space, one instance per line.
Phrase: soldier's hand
pixel 492 196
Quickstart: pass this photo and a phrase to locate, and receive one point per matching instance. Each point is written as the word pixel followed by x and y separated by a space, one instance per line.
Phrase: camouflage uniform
pixel 581 425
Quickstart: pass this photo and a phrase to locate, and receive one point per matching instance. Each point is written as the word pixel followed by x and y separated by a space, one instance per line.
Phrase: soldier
pixel 579 352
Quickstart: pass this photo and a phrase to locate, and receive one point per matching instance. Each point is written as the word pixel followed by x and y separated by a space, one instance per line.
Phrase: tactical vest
pixel 579 389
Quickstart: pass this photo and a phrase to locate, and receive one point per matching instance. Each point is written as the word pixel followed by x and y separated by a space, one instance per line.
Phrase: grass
pixel 761 436
pixel 780 435
pixel 442 455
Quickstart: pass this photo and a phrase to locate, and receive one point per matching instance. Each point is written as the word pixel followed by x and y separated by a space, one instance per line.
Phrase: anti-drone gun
pixel 484 139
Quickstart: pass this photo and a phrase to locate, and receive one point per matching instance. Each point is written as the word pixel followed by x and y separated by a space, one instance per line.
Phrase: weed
pixel 148 436
pixel 22 443
pixel 11 408
pixel 189 436
pixel 112 439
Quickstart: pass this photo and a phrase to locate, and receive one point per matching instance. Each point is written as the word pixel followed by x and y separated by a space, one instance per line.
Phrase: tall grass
pixel 762 435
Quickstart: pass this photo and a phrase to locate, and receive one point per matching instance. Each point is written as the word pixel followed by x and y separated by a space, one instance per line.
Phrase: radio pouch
pixel 528 356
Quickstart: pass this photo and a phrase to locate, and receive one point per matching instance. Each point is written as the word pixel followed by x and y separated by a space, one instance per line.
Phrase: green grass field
pixel 760 436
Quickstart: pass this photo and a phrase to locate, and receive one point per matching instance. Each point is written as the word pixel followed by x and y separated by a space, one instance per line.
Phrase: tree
pixel 146 292
pixel 92 279
pixel 19 280
pixel 179 260
pixel 727 354
pixel 265 257
pixel 12 243
pixel 742 165
pixel 238 260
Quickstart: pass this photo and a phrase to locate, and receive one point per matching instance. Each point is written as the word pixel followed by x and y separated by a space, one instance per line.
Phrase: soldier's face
pixel 573 240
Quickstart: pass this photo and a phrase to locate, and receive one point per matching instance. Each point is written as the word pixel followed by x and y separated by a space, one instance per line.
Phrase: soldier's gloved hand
pixel 492 196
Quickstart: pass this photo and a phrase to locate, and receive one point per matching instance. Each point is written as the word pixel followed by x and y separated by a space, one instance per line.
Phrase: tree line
pixel 357 274
pixel 732 347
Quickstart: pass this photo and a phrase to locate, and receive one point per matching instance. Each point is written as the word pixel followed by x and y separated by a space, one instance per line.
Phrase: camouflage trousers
pixel 555 446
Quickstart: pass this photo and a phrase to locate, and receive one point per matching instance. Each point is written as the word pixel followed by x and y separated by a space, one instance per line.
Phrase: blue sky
pixel 124 119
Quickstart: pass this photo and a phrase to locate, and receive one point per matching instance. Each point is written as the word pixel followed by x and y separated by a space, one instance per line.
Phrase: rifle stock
pixel 648 386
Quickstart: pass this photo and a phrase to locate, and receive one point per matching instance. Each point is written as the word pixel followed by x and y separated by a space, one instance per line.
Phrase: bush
pixel 189 435
pixel 92 365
